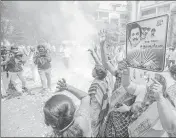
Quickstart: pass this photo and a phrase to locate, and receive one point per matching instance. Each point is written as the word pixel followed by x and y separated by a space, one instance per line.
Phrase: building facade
pixel 149 9
pixel 114 13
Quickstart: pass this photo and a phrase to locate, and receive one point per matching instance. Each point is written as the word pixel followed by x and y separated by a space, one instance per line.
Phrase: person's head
pixel 135 33
pixel 172 71
pixel 99 72
pixel 41 48
pixel 59 113
pixel 14 49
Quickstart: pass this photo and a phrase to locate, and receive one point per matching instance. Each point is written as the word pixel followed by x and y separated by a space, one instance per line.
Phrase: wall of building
pixel 115 12
pixel 149 9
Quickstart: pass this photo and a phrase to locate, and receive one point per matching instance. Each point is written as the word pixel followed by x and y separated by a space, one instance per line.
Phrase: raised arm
pixel 96 53
pixel 104 57
pixel 62 85
pixel 167 113
pixel 97 61
pixel 84 97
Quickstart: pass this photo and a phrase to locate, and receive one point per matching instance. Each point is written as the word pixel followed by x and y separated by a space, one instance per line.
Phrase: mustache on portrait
pixel 135 39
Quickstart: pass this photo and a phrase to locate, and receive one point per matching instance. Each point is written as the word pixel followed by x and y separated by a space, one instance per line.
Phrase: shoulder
pixel 82 118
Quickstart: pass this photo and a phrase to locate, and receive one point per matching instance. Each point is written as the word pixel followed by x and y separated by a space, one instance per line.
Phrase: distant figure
pixel 43 61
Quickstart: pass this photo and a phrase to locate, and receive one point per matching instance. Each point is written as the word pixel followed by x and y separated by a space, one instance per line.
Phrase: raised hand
pixel 157 89
pixel 122 65
pixel 102 35
pixel 61 85
pixel 95 48
pixel 91 51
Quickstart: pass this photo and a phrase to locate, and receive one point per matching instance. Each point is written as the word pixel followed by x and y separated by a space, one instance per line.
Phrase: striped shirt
pixel 99 104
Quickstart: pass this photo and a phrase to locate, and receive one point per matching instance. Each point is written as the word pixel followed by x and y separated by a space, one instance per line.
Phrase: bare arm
pixel 105 60
pixel 78 93
pixel 129 86
pixel 97 61
pixel 97 55
pixel 167 116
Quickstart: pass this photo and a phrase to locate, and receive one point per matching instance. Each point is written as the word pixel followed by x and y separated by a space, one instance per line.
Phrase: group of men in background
pixel 12 67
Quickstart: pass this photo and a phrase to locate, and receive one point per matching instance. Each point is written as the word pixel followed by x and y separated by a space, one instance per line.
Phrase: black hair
pixel 133 26
pixel 100 71
pixel 41 46
pixel 59 114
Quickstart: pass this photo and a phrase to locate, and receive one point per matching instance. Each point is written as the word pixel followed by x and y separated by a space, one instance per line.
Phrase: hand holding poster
pixel 146 43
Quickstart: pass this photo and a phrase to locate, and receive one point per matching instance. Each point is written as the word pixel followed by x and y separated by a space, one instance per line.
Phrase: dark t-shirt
pixel 12 66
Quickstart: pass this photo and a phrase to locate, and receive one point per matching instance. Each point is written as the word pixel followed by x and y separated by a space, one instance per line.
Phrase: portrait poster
pixel 146 43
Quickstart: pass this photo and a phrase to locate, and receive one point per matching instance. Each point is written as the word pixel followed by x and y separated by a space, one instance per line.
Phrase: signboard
pixel 145 122
pixel 146 43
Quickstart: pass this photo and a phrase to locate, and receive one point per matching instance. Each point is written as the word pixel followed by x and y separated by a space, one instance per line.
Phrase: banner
pixel 146 43
pixel 145 122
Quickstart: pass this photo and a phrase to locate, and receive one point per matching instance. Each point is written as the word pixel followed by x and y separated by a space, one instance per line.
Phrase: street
pixel 23 116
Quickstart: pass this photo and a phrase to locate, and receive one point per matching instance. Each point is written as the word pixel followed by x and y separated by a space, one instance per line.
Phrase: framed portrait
pixel 146 43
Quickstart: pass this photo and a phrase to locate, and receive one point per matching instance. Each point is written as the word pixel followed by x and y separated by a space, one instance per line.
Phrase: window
pixel 163 9
pixel 149 12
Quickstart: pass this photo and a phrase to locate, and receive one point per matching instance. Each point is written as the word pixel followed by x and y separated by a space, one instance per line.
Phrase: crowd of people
pixel 125 110
pixel 14 59
pixel 109 109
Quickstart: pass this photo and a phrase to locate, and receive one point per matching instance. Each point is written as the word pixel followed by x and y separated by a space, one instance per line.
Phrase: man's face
pixel 135 37
pixel 41 49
